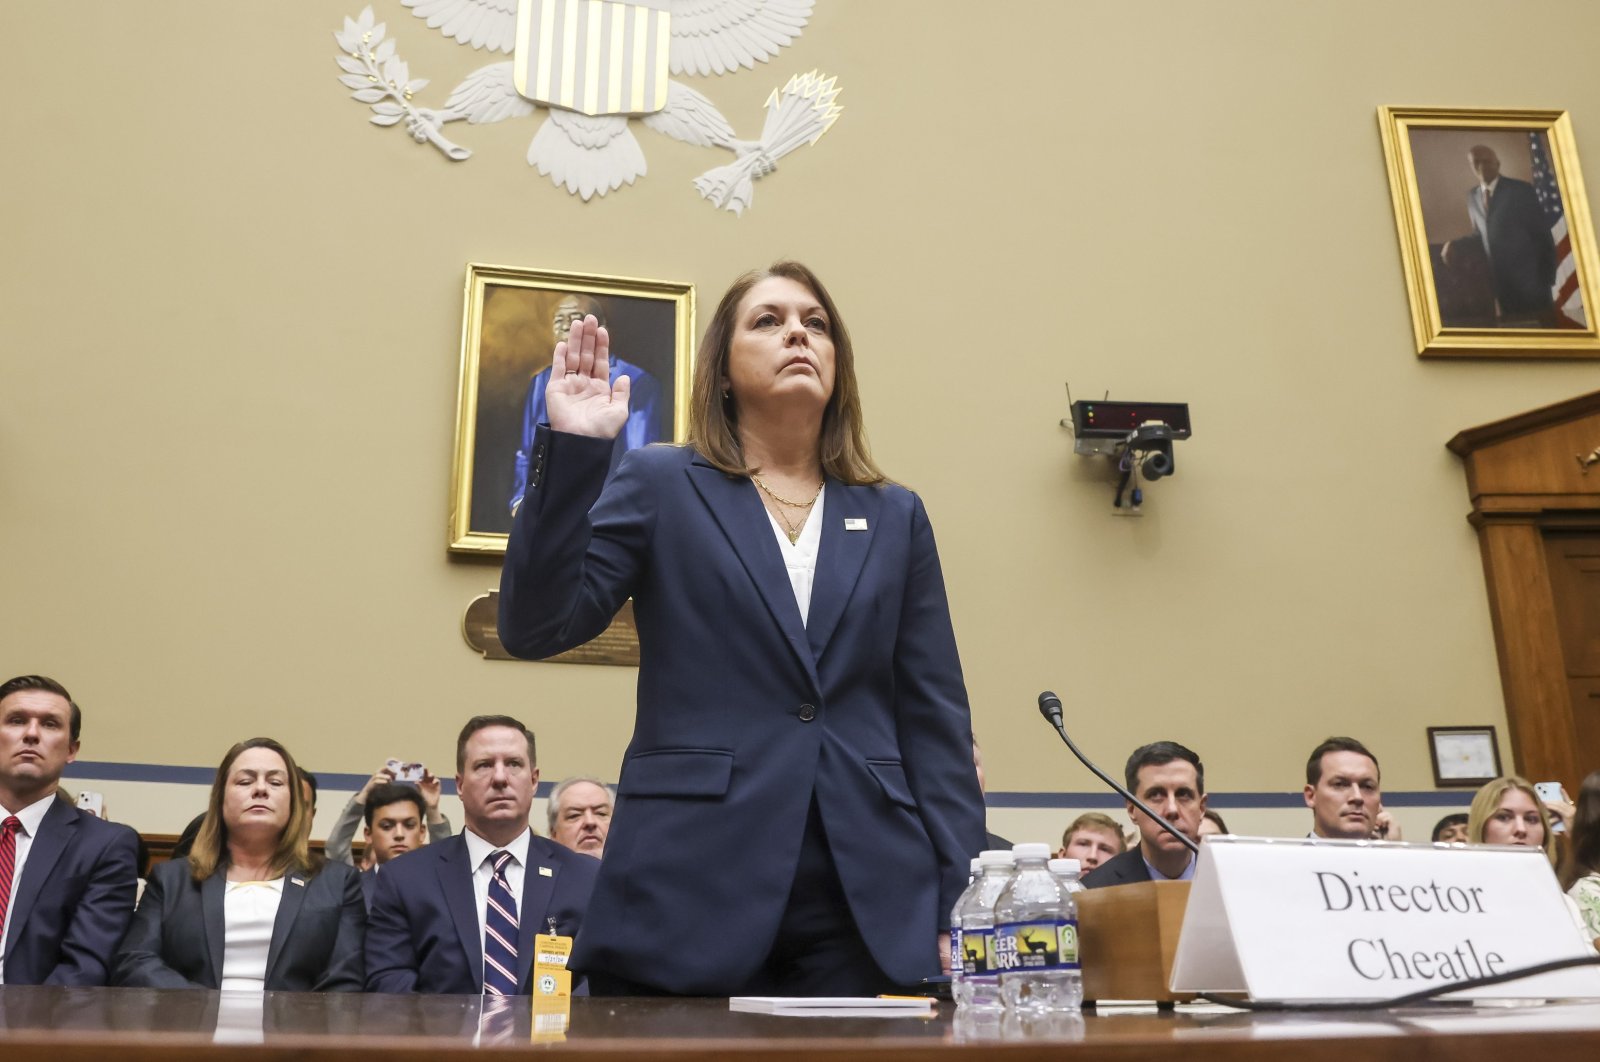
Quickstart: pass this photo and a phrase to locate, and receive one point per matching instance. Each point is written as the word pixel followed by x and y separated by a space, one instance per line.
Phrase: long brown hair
pixel 210 851
pixel 1583 852
pixel 713 418
pixel 1487 801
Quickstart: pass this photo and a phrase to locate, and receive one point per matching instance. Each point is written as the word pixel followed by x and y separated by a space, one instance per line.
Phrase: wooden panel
pixel 1129 937
pixel 1528 641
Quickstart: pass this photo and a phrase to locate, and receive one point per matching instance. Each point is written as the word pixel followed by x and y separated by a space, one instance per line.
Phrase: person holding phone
pixel 797 809
pixel 1509 811
pixel 250 908
pixel 341 838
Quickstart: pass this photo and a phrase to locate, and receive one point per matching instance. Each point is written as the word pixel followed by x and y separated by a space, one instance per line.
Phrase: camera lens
pixel 1156 465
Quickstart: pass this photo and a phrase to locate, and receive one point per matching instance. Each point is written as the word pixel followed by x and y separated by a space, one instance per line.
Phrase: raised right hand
pixel 579 396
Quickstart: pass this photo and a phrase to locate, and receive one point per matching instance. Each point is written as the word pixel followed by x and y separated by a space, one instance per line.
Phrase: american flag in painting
pixel 1569 300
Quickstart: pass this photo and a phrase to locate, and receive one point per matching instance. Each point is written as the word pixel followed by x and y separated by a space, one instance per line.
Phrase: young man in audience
pixel 1344 793
pixel 1172 781
pixel 1091 839
pixel 342 835
pixel 394 815
pixel 67 878
pixel 579 813
pixel 1452 829
pixel 460 916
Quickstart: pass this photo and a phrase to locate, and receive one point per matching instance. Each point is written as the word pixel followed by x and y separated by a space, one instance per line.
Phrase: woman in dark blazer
pixel 797 808
pixel 250 909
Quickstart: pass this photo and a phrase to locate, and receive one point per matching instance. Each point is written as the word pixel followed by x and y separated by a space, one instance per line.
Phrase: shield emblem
pixel 594 56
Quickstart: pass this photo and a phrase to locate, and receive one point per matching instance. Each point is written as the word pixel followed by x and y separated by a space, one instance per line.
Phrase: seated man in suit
pixel 580 814
pixel 396 815
pixel 1170 779
pixel 460 915
pixel 1345 793
pixel 67 879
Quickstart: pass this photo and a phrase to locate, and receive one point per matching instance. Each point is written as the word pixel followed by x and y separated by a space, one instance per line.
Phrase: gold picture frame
pixel 510 324
pixel 1535 298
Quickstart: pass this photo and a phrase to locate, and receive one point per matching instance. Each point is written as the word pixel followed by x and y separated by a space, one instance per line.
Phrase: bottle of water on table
pixel 1036 938
pixel 978 988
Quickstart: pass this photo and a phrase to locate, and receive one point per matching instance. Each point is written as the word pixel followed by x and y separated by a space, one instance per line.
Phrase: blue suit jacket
pixel 73 901
pixel 422 932
pixel 744 712
pixel 177 937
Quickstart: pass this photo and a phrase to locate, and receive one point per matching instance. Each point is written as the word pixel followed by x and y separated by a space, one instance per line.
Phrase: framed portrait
pixel 1463 756
pixel 1494 232
pixel 512 321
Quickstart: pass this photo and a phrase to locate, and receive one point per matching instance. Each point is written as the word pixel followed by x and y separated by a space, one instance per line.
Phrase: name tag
pixel 1374 921
pixel 854 523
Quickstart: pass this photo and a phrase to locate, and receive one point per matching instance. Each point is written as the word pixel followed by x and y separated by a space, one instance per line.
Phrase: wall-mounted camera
pixel 1137 435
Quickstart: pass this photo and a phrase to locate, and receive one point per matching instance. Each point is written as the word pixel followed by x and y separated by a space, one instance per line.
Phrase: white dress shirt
pixel 249 911
pixel 800 556
pixel 31 817
pixel 478 853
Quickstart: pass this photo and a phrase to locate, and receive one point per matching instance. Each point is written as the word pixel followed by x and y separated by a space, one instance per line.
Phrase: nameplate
pixel 1332 921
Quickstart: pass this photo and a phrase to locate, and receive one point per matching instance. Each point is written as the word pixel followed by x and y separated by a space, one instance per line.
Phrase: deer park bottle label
pixel 1045 944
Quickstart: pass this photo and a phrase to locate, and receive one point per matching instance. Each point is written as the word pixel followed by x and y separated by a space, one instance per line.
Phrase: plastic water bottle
pixel 1036 938
pixel 979 986
pixel 956 971
pixel 1069 872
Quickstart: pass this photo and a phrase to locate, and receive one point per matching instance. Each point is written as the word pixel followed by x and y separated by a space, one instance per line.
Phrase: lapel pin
pixel 296 881
pixel 854 523
pixel 546 872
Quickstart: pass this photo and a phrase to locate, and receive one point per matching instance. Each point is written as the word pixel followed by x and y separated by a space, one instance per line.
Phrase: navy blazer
pixel 177 936
pixel 744 713
pixel 1122 869
pixel 423 934
pixel 73 900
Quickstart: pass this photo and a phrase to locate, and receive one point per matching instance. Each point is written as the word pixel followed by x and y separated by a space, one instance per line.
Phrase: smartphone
pixel 93 803
pixel 407 772
pixel 1551 792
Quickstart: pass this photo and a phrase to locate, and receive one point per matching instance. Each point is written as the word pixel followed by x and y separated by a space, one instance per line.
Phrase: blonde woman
pixel 1508 811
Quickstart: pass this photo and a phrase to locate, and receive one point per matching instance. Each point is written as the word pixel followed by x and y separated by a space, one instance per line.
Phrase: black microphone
pixel 1050 708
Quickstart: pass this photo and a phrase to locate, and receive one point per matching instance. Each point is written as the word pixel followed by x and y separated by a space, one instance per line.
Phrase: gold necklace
pixel 790 529
pixel 785 501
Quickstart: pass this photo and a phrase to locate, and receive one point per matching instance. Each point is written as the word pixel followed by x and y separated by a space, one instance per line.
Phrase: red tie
pixel 8 863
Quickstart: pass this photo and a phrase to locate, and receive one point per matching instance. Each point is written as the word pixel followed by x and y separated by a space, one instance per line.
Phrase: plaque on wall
pixel 617 645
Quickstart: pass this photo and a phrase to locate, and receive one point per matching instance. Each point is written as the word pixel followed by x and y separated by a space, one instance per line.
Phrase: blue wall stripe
pixel 1423 798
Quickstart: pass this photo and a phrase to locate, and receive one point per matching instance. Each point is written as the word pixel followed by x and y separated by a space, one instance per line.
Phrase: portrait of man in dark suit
pixel 1505 260
pixel 1517 243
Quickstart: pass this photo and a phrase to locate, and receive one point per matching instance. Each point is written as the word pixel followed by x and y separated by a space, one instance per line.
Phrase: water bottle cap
pixel 1065 866
pixel 996 857
pixel 1030 851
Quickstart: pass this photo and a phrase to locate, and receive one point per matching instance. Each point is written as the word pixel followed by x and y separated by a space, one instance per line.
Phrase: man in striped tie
pixel 459 916
pixel 67 879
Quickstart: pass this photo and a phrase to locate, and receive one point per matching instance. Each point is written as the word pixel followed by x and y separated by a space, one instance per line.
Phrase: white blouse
pixel 249 910
pixel 800 556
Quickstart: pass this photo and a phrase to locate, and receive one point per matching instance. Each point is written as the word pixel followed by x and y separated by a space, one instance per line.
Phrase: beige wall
pixel 229 327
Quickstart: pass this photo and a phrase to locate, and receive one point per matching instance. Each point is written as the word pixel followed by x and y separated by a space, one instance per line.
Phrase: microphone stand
pixel 1050 708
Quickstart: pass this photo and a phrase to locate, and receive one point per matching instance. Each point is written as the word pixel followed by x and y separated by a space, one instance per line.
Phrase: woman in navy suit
pixel 250 909
pixel 797 807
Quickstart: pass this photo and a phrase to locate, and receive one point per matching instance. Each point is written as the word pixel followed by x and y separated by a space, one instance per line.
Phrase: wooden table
pixel 141 1025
